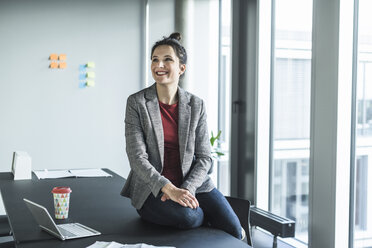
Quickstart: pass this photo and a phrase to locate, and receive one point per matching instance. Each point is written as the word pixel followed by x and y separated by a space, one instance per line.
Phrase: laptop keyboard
pixel 72 230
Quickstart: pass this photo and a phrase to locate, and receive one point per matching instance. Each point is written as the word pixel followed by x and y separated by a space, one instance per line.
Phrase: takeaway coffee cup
pixel 61 196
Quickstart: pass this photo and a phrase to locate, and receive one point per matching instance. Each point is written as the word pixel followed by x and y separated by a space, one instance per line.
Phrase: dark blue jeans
pixel 214 211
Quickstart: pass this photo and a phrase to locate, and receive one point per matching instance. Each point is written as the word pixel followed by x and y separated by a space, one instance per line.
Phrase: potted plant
pixel 216 150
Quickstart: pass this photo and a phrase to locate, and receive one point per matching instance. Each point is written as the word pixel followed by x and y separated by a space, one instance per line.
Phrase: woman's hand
pixel 181 196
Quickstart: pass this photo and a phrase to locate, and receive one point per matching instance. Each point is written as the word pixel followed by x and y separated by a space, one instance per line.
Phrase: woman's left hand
pixel 181 196
pixel 165 197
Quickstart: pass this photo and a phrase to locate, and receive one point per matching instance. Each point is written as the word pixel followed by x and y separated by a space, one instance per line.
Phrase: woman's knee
pixel 190 218
pixel 172 214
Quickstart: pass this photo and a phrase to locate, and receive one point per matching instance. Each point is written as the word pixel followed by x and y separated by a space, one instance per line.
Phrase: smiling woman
pixel 165 66
pixel 168 148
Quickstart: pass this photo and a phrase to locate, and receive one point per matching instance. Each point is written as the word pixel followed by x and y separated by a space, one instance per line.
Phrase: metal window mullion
pixel 145 44
pixel 353 124
pixel 220 106
pixel 272 77
pixel 323 110
pixel 330 123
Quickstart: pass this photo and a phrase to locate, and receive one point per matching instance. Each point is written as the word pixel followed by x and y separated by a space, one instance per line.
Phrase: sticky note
pixel 82 76
pixel 62 65
pixel 91 74
pixel 53 56
pixel 82 85
pixel 90 83
pixel 62 57
pixel 53 65
pixel 82 68
pixel 91 64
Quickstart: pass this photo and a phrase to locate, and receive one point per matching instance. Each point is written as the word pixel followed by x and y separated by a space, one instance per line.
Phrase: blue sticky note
pixel 82 85
pixel 82 68
pixel 82 76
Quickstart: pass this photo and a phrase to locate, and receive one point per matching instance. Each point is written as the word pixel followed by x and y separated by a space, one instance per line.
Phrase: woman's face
pixel 165 65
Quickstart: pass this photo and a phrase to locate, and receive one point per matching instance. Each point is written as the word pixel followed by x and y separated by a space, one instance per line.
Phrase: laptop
pixel 62 231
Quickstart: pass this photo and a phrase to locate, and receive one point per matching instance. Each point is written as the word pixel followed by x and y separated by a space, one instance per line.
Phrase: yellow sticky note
pixel 91 74
pixel 62 57
pixel 90 83
pixel 62 65
pixel 53 65
pixel 53 56
pixel 91 65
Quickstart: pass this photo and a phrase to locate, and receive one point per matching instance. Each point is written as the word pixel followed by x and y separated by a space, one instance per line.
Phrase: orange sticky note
pixel 62 65
pixel 62 57
pixel 53 56
pixel 53 65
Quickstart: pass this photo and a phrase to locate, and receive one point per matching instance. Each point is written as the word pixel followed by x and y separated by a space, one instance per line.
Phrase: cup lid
pixel 61 190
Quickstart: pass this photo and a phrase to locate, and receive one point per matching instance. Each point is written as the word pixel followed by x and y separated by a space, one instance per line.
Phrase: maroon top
pixel 172 167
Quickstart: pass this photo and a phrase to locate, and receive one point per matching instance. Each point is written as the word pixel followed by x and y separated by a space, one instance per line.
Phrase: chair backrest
pixel 4 226
pixel 6 240
pixel 241 208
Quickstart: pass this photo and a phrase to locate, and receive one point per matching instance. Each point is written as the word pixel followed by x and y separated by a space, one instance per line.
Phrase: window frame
pixel 330 154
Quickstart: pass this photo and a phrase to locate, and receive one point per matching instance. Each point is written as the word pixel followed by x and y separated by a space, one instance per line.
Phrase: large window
pixel 209 66
pixel 290 112
pixel 363 133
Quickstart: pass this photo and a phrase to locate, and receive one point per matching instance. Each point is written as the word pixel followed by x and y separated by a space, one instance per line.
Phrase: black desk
pixel 96 202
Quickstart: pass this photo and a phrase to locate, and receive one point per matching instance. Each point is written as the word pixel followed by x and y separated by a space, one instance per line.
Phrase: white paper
pixel 48 174
pixel 101 244
pixel 90 173
pixel 43 174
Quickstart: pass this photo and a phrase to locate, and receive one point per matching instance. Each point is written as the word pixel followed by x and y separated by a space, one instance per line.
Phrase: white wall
pixel 42 110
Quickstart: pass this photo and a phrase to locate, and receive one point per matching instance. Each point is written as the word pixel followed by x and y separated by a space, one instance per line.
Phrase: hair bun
pixel 176 36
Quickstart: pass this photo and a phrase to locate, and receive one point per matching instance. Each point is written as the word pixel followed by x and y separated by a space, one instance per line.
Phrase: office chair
pixel 241 208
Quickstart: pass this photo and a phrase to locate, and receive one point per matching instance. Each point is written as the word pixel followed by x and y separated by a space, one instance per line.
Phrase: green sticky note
pixel 90 83
pixel 91 65
pixel 91 74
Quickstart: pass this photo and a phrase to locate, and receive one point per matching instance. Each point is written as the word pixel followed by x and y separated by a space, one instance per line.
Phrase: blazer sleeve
pixel 136 150
pixel 202 152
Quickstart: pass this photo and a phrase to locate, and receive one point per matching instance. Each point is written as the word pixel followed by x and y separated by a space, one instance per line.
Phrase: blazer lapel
pixel 184 116
pixel 152 105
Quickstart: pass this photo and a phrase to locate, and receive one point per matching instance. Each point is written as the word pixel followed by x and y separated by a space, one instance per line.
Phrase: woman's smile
pixel 161 73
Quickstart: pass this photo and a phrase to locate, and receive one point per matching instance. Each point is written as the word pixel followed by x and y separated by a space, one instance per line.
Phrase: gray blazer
pixel 145 145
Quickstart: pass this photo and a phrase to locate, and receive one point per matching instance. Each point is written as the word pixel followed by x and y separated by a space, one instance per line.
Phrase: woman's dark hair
pixel 174 41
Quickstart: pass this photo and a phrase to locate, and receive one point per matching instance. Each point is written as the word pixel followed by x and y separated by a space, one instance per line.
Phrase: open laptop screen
pixel 42 216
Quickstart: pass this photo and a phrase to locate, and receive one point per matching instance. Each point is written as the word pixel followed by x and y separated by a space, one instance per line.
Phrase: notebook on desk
pixel 51 174
pixel 62 231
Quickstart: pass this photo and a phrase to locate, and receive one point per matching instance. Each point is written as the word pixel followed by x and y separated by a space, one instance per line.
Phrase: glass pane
pixel 224 115
pixel 363 140
pixel 291 112
pixel 219 95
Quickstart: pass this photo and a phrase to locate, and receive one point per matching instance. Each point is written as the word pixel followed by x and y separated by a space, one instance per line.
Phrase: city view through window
pixel 289 176
pixel 363 141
